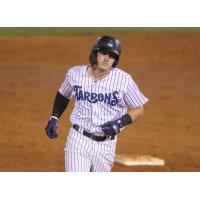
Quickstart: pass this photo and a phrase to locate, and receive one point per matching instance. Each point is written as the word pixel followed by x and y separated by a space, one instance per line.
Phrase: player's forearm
pixel 60 104
pixel 135 114
pixel 131 116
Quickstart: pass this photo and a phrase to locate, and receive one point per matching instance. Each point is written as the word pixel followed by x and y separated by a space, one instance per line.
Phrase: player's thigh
pixel 75 162
pixel 101 164
pixel 104 156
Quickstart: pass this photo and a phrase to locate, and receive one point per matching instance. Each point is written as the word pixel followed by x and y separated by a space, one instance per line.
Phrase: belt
pixel 94 137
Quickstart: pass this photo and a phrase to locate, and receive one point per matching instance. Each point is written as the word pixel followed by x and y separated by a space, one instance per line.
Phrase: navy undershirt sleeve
pixel 60 104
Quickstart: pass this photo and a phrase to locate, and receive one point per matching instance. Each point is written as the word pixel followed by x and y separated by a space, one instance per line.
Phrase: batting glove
pixel 112 127
pixel 51 127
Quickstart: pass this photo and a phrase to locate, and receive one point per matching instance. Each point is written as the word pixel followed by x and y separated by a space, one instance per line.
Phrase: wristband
pixel 126 119
pixel 54 117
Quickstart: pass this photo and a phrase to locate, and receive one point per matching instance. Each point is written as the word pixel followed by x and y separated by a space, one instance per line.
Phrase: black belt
pixel 93 137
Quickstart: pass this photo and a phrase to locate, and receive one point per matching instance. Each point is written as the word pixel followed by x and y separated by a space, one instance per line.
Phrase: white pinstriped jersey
pixel 100 101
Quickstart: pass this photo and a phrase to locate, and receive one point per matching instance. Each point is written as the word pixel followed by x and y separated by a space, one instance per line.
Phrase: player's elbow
pixel 141 111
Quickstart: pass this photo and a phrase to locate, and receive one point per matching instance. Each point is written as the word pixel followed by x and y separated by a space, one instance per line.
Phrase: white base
pixel 137 160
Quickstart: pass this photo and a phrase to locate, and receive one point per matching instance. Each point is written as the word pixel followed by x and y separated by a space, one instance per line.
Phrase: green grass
pixel 29 31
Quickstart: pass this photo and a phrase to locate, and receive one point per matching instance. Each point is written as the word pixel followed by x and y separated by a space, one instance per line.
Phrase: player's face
pixel 105 60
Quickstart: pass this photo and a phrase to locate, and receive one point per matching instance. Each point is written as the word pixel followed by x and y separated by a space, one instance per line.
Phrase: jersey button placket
pixel 93 90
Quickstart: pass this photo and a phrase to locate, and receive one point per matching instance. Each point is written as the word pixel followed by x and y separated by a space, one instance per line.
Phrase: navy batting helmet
pixel 108 44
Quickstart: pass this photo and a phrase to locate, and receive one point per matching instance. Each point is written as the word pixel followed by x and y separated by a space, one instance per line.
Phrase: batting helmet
pixel 108 44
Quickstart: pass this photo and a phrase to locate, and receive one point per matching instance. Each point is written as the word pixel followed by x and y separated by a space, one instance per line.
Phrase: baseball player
pixel 106 100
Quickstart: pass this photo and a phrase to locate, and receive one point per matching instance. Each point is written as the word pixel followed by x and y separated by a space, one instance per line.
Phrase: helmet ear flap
pixel 93 58
pixel 115 63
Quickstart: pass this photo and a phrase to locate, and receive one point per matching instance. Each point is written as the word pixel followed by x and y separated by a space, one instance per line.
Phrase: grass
pixel 29 31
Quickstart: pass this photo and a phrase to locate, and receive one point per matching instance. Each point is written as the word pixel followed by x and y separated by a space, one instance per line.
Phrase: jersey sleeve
pixel 133 96
pixel 66 88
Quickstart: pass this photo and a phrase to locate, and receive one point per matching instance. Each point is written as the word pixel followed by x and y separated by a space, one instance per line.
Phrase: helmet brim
pixel 109 50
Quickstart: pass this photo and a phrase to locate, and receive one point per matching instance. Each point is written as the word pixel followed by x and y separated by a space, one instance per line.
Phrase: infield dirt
pixel 164 64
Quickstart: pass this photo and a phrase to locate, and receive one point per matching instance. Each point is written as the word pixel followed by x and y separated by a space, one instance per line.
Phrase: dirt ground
pixel 166 67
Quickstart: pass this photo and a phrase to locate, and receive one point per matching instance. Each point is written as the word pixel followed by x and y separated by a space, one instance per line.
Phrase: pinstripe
pixel 107 157
pixel 129 101
pixel 82 153
pixel 102 158
pixel 75 160
pixel 80 162
pixel 81 81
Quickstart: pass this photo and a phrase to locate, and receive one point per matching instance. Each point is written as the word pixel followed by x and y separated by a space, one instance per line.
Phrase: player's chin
pixel 104 67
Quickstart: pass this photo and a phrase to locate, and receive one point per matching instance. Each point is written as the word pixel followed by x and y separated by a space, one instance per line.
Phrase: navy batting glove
pixel 112 127
pixel 51 128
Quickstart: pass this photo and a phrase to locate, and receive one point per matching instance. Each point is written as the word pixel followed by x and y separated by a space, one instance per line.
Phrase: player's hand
pixel 112 127
pixel 51 128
